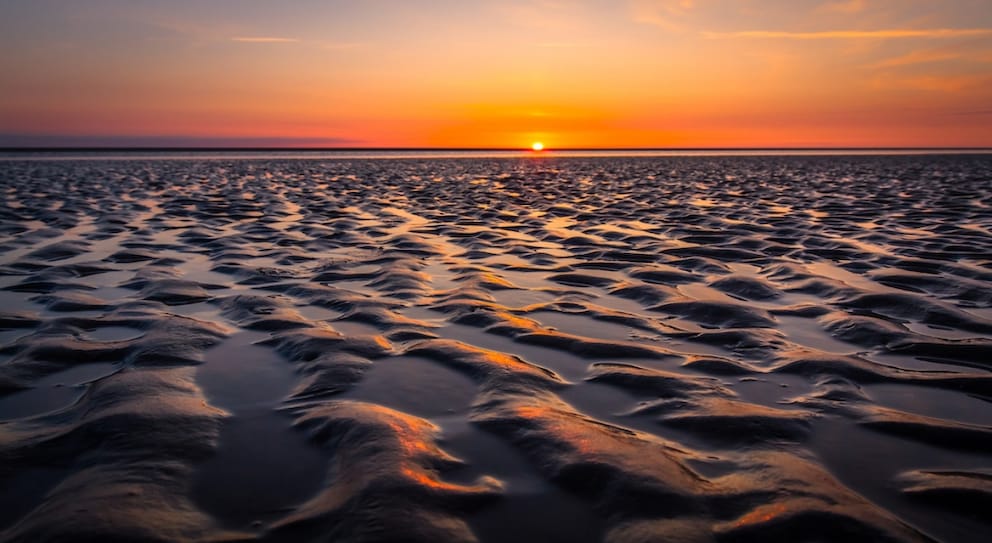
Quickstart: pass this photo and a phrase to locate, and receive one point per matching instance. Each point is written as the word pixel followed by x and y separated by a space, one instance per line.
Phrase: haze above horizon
pixel 494 74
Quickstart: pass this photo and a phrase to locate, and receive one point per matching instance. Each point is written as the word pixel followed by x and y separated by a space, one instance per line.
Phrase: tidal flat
pixel 539 348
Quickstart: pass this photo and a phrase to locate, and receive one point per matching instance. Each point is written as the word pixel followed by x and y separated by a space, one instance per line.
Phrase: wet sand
pixel 532 349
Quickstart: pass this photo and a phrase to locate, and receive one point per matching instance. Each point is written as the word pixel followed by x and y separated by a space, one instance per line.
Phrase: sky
pixel 496 73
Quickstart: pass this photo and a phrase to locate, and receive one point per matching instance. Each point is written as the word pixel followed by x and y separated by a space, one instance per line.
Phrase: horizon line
pixel 133 148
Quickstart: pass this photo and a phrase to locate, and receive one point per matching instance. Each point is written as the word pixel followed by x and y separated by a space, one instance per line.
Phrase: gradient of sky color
pixel 489 73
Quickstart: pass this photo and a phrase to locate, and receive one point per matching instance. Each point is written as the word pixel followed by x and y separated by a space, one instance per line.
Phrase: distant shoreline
pixel 396 153
pixel 29 149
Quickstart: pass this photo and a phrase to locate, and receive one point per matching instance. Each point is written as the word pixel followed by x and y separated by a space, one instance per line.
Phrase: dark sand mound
pixel 655 382
pixel 910 307
pixel 329 374
pixel 270 313
pixel 581 279
pixel 719 314
pixel 865 371
pixel 730 421
pixel 71 301
pixel 490 367
pixel 664 275
pixel 939 432
pixel 59 251
pixel 954 490
pixel 308 344
pixel 385 482
pixel 747 288
pixel 126 450
pixel 174 292
pixel 647 295
pixel 165 340
pixel 746 340
pixel 713 365
pixel 631 477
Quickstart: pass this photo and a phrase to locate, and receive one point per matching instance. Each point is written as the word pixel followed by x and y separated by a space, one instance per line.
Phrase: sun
pixel 537 146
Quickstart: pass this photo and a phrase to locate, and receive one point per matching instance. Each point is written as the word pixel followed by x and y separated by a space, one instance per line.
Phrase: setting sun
pixel 537 146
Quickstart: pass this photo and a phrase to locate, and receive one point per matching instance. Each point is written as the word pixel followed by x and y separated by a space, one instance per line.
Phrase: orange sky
pixel 443 73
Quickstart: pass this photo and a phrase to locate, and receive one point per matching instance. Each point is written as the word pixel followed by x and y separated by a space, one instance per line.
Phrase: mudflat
pixel 624 349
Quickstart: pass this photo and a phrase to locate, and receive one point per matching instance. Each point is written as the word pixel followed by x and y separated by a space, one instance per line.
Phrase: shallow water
pixel 496 348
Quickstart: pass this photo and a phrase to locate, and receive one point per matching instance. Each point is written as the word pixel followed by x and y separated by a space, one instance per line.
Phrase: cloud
pixel 561 44
pixel 917 57
pixel 14 140
pixel 933 83
pixel 664 13
pixel 548 15
pixel 973 112
pixel 341 46
pixel 263 39
pixel 854 34
pixel 966 52
pixel 844 6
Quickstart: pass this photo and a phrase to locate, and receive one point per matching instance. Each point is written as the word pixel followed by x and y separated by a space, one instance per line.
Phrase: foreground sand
pixel 630 350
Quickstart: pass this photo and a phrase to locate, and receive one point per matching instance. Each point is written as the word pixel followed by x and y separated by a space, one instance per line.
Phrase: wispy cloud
pixel 159 141
pixel 961 53
pixel 561 44
pixel 548 15
pixel 663 13
pixel 973 112
pixel 917 57
pixel 843 6
pixel 932 83
pixel 854 34
pixel 263 39
pixel 341 46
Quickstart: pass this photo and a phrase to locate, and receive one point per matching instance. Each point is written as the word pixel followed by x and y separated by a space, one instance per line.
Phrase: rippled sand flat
pixel 691 349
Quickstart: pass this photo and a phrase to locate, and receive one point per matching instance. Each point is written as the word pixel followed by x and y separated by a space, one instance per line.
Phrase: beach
pixel 528 348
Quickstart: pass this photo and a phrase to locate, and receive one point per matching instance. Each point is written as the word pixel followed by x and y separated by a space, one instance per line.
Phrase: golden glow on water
pixel 762 515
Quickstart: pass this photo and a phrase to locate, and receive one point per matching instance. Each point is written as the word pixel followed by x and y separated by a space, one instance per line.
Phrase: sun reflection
pixel 762 514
